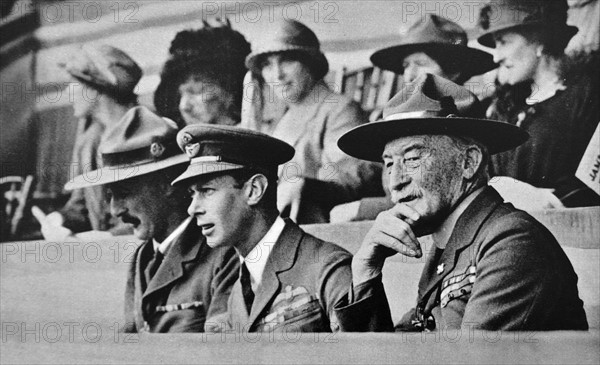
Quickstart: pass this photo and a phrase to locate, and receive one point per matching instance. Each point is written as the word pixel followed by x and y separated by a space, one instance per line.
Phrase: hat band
pixel 419 114
pixel 152 153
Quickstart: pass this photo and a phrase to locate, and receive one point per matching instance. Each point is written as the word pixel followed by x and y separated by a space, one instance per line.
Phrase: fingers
pixel 38 214
pixel 405 213
pixel 396 234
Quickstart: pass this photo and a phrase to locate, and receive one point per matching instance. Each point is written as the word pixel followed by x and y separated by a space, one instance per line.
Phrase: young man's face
pixel 424 173
pixel 141 201
pixel 220 207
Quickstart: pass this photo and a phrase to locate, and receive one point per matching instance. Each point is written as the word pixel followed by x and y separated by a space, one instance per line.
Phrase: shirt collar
pixel 256 260
pixel 164 245
pixel 442 234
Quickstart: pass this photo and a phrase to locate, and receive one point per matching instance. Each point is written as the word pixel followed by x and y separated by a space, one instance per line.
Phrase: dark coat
pixel 192 283
pixel 501 270
pixel 303 278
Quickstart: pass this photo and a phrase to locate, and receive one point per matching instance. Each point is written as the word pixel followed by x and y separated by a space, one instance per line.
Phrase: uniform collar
pixel 442 234
pixel 164 245
pixel 256 260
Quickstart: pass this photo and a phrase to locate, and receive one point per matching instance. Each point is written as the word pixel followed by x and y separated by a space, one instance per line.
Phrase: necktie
pixel 153 265
pixel 246 288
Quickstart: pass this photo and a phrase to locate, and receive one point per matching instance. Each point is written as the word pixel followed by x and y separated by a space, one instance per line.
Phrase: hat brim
pixel 487 38
pixel 471 61
pixel 111 174
pixel 253 59
pixel 368 141
pixel 205 168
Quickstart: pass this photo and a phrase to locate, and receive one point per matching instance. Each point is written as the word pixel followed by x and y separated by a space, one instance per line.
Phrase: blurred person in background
pixel 104 78
pixel 202 81
pixel 290 64
pixel 558 107
pixel 433 45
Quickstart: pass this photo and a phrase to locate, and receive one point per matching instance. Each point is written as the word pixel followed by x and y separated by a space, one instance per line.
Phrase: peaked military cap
pixel 217 148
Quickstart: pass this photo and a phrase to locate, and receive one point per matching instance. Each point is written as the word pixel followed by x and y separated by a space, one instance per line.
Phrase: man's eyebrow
pixel 411 147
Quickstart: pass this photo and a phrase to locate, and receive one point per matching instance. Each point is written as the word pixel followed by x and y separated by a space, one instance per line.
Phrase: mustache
pixel 407 196
pixel 126 218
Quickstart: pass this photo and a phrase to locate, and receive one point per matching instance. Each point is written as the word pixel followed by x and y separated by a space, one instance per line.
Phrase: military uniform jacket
pixel 501 270
pixel 302 279
pixel 192 282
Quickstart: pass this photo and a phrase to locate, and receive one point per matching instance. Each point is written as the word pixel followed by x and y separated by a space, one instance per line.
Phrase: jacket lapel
pixel 464 232
pixel 237 306
pixel 184 249
pixel 141 261
pixel 282 258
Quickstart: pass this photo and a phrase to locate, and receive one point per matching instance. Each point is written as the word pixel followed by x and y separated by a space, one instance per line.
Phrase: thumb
pixel 39 215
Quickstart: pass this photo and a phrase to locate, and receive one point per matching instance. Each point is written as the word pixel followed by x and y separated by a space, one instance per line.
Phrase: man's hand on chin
pixel 391 234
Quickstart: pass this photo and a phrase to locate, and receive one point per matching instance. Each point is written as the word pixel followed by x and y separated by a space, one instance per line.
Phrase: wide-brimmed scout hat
pixel 218 148
pixel 442 40
pixel 502 15
pixel 104 67
pixel 140 143
pixel 289 36
pixel 431 105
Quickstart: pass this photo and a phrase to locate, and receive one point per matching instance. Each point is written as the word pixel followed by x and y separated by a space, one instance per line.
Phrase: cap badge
pixel 192 149
pixel 156 149
pixel 186 138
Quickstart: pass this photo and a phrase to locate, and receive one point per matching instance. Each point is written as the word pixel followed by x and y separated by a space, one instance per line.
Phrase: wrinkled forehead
pixel 400 145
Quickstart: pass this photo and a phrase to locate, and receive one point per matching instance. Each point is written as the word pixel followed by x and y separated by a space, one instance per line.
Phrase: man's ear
pixel 256 188
pixel 472 162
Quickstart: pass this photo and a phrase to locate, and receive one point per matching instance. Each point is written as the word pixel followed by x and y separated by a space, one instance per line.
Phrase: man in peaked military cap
pixel 103 83
pixel 289 279
pixel 175 280
pixel 493 267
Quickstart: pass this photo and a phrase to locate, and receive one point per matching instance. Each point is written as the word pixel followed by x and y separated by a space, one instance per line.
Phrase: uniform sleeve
pixel 225 272
pixel 364 308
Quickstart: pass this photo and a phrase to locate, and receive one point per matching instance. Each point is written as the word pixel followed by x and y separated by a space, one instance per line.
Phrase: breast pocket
pixel 183 317
pixel 458 286
pixel 295 310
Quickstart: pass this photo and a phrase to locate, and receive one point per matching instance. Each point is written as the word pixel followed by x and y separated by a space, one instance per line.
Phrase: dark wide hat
pixel 289 36
pixel 107 68
pixel 219 148
pixel 431 105
pixel 503 15
pixel 442 40
pixel 140 143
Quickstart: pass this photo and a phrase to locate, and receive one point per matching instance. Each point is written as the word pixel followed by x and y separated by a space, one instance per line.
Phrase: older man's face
pixel 141 202
pixel 425 173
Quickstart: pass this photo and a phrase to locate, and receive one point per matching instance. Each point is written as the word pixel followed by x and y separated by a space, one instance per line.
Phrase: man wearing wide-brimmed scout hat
pixel 103 81
pixel 175 280
pixel 493 267
pixel 289 280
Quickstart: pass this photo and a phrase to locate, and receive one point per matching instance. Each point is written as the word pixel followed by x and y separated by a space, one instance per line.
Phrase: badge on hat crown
pixel 140 143
pixel 431 105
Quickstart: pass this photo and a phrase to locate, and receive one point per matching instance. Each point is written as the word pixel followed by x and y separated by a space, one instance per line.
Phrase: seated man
pixel 175 280
pixel 493 267
pixel 289 280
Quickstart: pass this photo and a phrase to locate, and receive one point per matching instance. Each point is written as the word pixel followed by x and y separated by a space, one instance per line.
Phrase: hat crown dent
pixel 140 129
pixel 434 95
pixel 434 29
